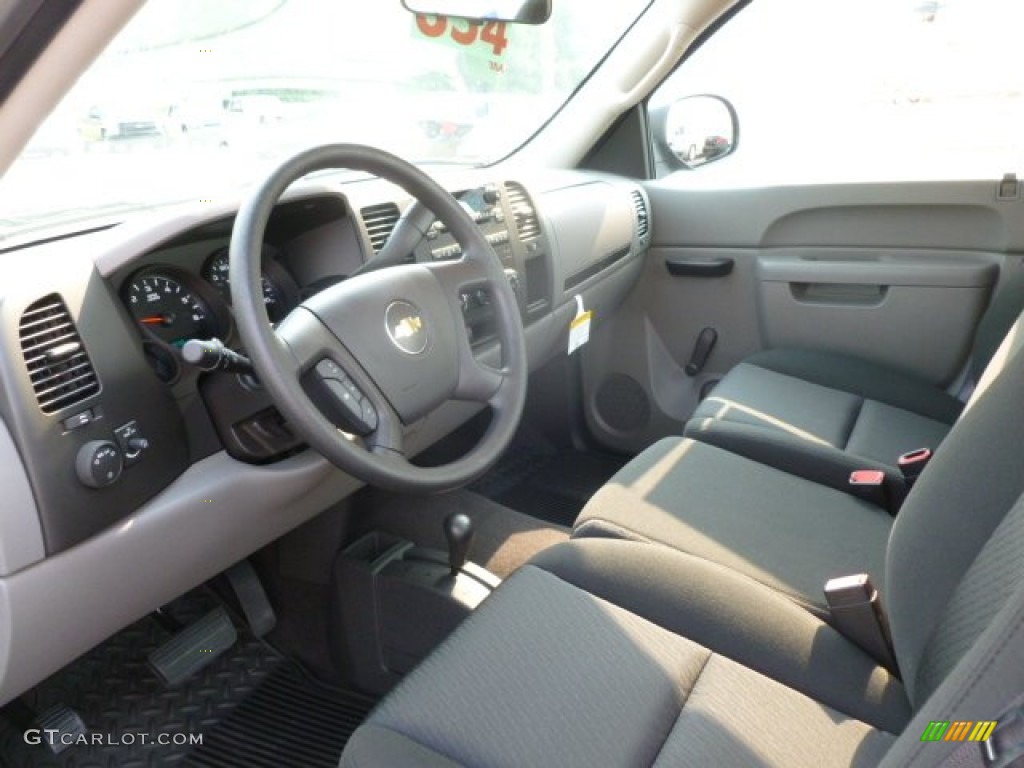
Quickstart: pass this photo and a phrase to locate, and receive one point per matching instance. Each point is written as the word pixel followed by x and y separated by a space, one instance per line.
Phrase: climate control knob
pixel 99 463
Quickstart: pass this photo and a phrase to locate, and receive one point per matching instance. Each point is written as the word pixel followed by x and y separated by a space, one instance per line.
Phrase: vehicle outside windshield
pixel 195 98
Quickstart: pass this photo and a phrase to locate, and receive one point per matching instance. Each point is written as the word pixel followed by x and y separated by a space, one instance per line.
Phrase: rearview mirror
pixel 700 129
pixel 518 11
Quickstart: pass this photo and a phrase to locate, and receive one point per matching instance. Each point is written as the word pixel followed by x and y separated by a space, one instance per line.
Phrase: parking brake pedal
pixel 62 727
pixel 194 647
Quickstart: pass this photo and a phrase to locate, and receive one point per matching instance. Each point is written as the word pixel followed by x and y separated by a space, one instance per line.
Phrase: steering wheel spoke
pixel 333 379
pixel 307 339
pixel 477 382
pixel 459 276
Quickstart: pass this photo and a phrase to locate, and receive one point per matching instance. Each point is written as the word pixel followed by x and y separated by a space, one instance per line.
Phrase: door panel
pixel 914 311
pixel 944 224
pixel 896 273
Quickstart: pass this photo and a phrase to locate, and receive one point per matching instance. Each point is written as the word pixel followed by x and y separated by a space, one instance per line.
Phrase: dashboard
pixel 131 475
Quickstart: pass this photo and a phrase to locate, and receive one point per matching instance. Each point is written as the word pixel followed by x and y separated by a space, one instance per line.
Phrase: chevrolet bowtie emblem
pixel 406 327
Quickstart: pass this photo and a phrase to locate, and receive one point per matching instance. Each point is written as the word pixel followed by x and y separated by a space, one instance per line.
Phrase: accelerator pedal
pixel 61 727
pixel 194 647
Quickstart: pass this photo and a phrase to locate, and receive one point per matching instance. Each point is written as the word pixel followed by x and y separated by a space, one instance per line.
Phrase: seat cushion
pixel 545 673
pixel 742 620
pixel 779 529
pixel 824 403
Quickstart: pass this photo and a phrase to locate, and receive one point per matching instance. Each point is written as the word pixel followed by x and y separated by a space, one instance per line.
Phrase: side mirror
pixel 518 11
pixel 701 129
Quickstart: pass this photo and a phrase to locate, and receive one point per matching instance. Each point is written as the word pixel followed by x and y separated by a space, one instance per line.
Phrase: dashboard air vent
pixel 380 220
pixel 525 215
pixel 643 222
pixel 57 363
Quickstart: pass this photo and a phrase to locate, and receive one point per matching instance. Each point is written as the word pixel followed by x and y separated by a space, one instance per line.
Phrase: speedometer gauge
pixel 171 311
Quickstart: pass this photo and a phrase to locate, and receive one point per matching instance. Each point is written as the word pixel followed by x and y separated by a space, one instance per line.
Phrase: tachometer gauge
pixel 165 306
pixel 217 273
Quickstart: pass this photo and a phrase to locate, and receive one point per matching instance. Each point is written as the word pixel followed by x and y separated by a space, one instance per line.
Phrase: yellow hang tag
pixel 579 328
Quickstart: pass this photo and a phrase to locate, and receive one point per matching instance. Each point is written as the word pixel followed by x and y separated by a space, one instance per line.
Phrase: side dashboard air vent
pixel 57 363
pixel 643 221
pixel 522 209
pixel 379 220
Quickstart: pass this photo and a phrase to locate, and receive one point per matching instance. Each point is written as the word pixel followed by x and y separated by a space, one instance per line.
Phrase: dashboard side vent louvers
pixel 57 363
pixel 380 220
pixel 643 222
pixel 522 209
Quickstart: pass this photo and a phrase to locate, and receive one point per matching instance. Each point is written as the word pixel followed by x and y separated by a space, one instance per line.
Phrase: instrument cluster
pixel 173 305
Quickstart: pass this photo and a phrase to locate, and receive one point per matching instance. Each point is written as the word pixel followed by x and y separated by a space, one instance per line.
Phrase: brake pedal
pixel 194 647
pixel 259 613
pixel 62 726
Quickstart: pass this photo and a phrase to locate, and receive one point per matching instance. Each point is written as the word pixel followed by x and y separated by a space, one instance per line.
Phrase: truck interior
pixel 522 383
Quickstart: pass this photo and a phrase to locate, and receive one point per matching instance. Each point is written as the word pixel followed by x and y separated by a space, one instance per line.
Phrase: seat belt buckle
pixel 912 464
pixel 1005 747
pixel 856 610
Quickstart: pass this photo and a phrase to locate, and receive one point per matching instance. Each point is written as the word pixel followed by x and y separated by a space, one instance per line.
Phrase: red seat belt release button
pixel 869 484
pixel 867 477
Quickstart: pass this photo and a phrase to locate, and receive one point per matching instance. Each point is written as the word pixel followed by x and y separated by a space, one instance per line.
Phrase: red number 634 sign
pixel 465 32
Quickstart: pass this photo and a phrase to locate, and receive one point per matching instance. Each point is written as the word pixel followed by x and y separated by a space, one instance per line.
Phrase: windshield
pixel 195 98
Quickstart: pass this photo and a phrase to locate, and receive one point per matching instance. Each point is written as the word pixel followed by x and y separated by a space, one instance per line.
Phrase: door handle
pixel 680 266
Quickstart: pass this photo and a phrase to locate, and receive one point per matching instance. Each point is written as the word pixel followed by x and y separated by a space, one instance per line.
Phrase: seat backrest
pixel 1011 344
pixel 988 611
pixel 956 551
pixel 1005 308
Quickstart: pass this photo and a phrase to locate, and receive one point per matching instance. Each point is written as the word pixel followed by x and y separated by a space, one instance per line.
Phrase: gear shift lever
pixel 458 530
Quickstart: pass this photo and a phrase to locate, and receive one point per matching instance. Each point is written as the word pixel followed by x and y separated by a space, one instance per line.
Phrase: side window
pixel 834 90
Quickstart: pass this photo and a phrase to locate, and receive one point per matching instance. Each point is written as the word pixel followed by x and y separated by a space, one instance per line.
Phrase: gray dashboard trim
pixel 128 240
pixel 21 538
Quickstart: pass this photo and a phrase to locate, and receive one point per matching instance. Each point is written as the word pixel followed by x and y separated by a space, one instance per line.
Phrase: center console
pixel 395 602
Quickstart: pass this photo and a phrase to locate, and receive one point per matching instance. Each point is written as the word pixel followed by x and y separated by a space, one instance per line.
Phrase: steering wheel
pixel 355 364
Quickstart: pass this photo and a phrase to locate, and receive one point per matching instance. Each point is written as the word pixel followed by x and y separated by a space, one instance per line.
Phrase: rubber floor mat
pixel 290 720
pixel 129 712
pixel 547 483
